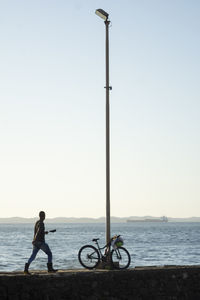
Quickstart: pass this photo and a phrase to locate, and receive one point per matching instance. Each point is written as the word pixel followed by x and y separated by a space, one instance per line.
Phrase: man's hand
pixel 46 232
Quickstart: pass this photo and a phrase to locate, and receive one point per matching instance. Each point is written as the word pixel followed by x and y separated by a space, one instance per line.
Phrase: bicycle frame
pixel 100 248
pixel 107 251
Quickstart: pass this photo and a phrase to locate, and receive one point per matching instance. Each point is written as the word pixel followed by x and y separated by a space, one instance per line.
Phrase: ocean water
pixel 148 244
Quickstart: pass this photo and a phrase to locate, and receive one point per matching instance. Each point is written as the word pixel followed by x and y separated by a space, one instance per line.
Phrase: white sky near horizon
pixel 52 108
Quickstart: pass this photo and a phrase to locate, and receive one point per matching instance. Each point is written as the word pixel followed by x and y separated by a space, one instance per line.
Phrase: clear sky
pixel 52 108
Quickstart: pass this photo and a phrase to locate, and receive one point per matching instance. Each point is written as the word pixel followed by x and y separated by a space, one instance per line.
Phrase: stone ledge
pixel 153 282
pixel 67 272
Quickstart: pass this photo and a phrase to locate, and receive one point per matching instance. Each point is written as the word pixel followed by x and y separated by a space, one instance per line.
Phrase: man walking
pixel 39 243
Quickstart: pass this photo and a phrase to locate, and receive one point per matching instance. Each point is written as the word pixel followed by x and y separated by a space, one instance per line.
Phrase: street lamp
pixel 104 15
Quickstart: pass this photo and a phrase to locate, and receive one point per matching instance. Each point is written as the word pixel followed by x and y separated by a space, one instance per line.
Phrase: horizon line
pixel 102 217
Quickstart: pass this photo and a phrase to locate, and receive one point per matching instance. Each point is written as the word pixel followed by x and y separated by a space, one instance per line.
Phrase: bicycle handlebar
pixel 113 238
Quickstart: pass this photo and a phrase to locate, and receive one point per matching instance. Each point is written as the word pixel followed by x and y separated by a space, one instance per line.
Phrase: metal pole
pixel 107 137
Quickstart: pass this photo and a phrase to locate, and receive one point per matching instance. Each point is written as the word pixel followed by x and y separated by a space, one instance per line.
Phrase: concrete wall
pixel 139 283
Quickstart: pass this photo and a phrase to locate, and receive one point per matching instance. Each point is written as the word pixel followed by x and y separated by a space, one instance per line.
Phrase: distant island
pixel 17 220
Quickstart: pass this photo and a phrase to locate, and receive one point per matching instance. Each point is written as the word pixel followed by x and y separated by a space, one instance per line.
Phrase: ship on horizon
pixel 163 219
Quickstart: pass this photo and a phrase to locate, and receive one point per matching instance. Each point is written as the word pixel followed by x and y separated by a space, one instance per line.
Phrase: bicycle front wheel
pixel 120 258
pixel 88 257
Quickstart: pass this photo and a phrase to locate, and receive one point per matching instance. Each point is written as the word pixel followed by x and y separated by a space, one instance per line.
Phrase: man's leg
pixel 47 250
pixel 33 255
pixel 45 247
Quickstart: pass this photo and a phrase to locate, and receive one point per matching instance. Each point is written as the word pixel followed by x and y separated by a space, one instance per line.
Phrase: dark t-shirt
pixel 39 232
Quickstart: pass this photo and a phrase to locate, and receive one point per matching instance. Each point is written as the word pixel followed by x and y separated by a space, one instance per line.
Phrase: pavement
pixel 67 272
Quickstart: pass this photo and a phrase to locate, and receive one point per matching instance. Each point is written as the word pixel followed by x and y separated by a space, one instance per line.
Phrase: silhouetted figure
pixel 39 243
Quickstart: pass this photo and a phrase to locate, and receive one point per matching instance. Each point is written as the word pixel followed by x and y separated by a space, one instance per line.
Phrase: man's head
pixel 42 215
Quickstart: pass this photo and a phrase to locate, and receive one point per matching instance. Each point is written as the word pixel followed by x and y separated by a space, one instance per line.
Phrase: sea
pixel 149 243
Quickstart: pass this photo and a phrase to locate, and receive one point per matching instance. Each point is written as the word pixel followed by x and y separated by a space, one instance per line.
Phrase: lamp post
pixel 104 15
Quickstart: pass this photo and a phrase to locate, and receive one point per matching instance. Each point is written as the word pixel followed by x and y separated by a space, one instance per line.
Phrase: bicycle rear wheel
pixel 120 258
pixel 88 257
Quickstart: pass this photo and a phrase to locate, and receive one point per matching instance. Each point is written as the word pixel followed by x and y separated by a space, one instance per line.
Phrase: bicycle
pixel 90 256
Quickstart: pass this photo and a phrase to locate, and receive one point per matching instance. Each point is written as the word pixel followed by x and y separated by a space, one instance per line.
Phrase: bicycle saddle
pixel 95 240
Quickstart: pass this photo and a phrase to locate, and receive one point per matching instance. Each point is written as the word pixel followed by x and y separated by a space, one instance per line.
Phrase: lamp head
pixel 102 14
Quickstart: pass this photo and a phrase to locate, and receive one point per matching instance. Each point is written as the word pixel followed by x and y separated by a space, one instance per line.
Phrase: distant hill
pixel 16 220
pixel 62 220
